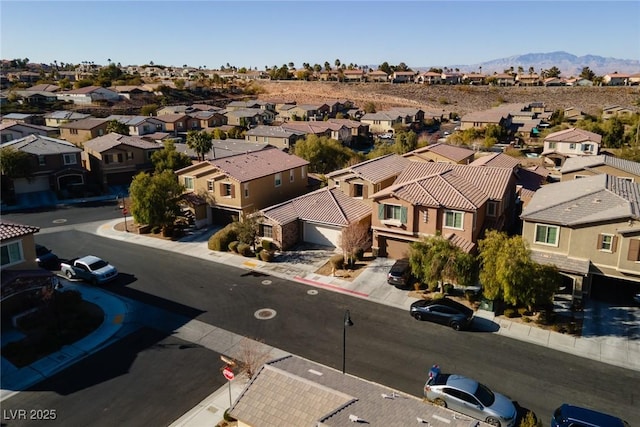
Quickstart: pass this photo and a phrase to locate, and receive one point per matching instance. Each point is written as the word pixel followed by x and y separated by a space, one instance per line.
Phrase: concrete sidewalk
pixel 619 346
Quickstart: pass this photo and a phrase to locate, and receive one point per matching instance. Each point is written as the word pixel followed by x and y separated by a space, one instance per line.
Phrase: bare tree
pixel 251 356
pixel 355 237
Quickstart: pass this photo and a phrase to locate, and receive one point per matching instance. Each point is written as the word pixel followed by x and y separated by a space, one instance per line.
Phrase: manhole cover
pixel 59 221
pixel 312 292
pixel 266 282
pixel 265 314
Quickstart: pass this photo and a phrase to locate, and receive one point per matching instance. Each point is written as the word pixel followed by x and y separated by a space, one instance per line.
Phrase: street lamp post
pixel 347 322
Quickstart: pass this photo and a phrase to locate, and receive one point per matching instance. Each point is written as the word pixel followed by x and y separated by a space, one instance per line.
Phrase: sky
pixel 255 34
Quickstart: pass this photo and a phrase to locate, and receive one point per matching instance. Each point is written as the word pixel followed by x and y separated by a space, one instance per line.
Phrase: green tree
pixel 154 198
pixel 248 230
pixel 586 73
pixel 149 110
pixel 219 134
pixel 180 84
pixel 369 107
pixel 435 260
pixel 553 72
pixel 200 142
pixel 614 133
pixel 169 158
pixel 117 127
pixel 15 163
pixel 324 154
pixel 385 67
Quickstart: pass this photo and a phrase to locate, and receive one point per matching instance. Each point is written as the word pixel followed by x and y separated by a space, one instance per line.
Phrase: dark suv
pixel 444 311
pixel 400 274
pixel 569 415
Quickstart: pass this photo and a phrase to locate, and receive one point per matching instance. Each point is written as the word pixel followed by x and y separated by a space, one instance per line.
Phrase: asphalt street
pixel 385 345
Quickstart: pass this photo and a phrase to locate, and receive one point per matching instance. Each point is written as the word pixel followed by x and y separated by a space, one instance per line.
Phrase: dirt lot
pixel 459 99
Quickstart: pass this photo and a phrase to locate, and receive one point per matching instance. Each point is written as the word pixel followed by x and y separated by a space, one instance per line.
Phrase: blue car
pixel 569 415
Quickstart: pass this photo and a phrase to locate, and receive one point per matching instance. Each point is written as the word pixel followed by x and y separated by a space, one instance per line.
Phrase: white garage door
pixel 321 234
pixel 39 183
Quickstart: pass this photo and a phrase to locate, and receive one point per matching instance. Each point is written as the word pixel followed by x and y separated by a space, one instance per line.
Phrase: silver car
pixel 469 397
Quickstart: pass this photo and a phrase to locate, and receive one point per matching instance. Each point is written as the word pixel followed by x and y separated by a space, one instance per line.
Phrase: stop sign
pixel 228 373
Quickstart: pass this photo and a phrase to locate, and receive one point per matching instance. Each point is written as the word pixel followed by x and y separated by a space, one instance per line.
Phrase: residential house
pixel 306 112
pixel 377 76
pixel 29 119
pixel 248 117
pixel 590 230
pixel 56 118
pixel 578 82
pixel 56 165
pixel 277 136
pixel 34 98
pixel 573 115
pixel 238 185
pixel 318 218
pixel 178 124
pixel 44 87
pixel 481 119
pixel 139 125
pixel 131 92
pixel 331 130
pixel 409 115
pixel 382 122
pixel 586 166
pixel 634 79
pixel 617 111
pixel 11 130
pixel 80 131
pixel 358 129
pixel 531 79
pixel 294 391
pixel 616 79
pixel 474 78
pixel 458 202
pixel 504 79
pixel 338 106
pixel 22 281
pixel 175 109
pixel 403 76
pixel 452 77
pixel 429 78
pixel 329 76
pixel 88 95
pixel 208 120
pixel 115 159
pixel 558 146
pixel 355 75
pixel 362 180
pixel 243 105
pixel 442 153
pixel 553 81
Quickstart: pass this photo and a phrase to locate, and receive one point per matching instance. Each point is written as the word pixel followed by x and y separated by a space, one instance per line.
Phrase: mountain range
pixel 568 64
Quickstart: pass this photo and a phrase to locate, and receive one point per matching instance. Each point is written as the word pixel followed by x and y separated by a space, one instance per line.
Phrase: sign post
pixel 124 214
pixel 229 375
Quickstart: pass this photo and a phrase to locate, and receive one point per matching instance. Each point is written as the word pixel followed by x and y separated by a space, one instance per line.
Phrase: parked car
pixel 400 274
pixel 569 415
pixel 444 311
pixel 47 259
pixel 89 268
pixel 636 298
pixel 469 397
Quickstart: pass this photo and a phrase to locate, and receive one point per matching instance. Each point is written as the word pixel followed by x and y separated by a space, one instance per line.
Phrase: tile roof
pixel 273 131
pixel 110 140
pixel 250 166
pixel 84 90
pixel 66 115
pixel 45 87
pixel 310 127
pixel 383 115
pixel 563 262
pixel 292 391
pixel 452 152
pixel 171 118
pixel 584 201
pixel 42 145
pixel 493 181
pixel 326 205
pixel 84 124
pixel 11 230
pixel 498 160
pixel 574 135
pixel 11 124
pixel 376 170
pixel 442 189
pixel 573 164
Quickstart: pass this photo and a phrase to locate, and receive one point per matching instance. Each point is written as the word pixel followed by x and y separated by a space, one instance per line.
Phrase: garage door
pixel 39 183
pixel 321 234
pixel 397 249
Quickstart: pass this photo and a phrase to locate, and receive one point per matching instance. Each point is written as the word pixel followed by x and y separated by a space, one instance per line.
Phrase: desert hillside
pixel 458 99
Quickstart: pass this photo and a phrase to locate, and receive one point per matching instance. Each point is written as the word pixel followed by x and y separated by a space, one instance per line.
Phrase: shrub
pixel 470 296
pixel 220 240
pixel 509 312
pixel 522 311
pixel 156 229
pixel 337 261
pixel 266 244
pixel 359 254
pixel 266 256
pixel 448 288
pixel 233 246
pixel 244 249
pixel 526 319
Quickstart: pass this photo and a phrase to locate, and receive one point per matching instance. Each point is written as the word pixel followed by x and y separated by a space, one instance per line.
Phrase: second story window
pixel 304 172
pixel 210 185
pixel 246 190
pixel 188 182
pixel 547 234
pixel 129 155
pixel 634 250
pixel 278 179
pixel 11 253
pixel 42 160
pixel 69 159
pixel 266 231
pixel 607 242
pixel 552 145
pixel 454 219
pixel 492 208
pixel 73 131
pixel 227 189
pixel 292 175
pixel 358 190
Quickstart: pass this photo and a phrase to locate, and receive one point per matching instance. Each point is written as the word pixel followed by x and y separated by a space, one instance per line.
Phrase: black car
pixel 443 311
pixel 400 274
pixel 47 259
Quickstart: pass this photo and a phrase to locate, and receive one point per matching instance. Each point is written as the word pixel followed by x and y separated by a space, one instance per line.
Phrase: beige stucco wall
pixel 28 253
pixel 603 169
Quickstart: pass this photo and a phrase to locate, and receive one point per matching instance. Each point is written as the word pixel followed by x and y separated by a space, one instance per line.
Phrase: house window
pixel 552 145
pixel 304 172
pixel 579 176
pixel 188 182
pixel 278 179
pixel 627 178
pixel 265 139
pixel 291 175
pixel 358 190
pixel 246 190
pixel 179 125
pixel 572 146
pixel 42 160
pixel 607 242
pixel 453 219
pixel 393 214
pixel 129 155
pixel 227 190
pixel 145 129
pixel 336 183
pixel 266 231
pixel 634 250
pixel 69 159
pixel 11 253
pixel 587 147
pixel 547 234
pixel 492 208
pixel 425 216
pixel 210 186
pixel 100 132
pixel 73 131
